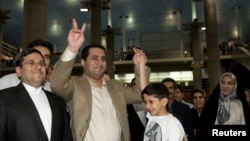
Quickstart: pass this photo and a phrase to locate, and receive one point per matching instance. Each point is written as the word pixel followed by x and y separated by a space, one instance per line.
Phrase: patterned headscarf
pixel 224 101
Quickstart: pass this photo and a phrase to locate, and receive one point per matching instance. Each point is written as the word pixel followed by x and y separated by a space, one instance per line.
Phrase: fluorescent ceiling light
pixel 84 9
pixel 182 76
pixel 203 28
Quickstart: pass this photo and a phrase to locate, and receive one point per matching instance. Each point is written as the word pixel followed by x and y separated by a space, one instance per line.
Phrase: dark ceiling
pixel 143 16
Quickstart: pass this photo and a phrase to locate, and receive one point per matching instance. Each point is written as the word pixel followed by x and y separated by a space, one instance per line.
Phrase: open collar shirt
pixel 104 124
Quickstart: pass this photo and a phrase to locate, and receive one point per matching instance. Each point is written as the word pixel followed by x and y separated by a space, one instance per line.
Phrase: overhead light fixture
pixel 85 6
pixel 106 4
pixel 84 9
pixel 4 15
pixel 203 28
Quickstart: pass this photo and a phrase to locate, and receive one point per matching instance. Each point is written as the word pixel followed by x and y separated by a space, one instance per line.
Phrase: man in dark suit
pixel 27 111
pixel 178 109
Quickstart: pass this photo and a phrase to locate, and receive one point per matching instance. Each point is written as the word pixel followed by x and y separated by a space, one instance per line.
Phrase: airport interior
pixel 192 41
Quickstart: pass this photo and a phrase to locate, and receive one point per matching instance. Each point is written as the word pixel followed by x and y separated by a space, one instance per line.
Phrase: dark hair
pixel 85 50
pixel 180 88
pixel 157 90
pixel 41 42
pixel 19 58
pixel 197 91
pixel 168 79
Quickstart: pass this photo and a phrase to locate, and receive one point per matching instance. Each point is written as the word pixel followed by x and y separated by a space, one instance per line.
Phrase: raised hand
pixel 76 36
pixel 139 57
pixel 140 60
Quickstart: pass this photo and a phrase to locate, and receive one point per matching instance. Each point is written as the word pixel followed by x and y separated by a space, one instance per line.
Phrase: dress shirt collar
pixel 32 89
pixel 93 84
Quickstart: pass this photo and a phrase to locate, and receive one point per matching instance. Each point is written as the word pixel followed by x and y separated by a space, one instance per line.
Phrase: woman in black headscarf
pixel 199 100
pixel 227 105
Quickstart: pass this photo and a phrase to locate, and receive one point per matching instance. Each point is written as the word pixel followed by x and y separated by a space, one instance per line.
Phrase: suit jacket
pixel 183 113
pixel 135 125
pixel 76 91
pixel 20 120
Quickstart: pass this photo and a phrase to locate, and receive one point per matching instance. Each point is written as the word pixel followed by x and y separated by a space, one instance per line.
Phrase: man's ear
pixel 18 71
pixel 83 62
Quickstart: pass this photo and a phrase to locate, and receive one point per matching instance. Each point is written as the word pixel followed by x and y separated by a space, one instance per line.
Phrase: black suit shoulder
pixel 182 112
pixel 11 93
pixel 180 107
pixel 20 112
pixel 8 91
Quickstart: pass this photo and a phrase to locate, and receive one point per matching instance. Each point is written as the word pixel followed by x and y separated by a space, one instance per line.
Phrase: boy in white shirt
pixel 161 126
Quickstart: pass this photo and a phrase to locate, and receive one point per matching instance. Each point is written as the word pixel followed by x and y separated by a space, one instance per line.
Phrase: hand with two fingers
pixel 76 36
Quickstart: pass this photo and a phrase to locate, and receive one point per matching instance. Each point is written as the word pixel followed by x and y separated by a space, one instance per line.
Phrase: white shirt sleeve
pixel 9 80
pixel 68 55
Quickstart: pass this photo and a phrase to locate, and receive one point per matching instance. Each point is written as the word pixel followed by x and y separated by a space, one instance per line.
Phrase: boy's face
pixel 155 106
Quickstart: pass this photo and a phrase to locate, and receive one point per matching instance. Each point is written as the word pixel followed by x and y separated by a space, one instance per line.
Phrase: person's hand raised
pixel 139 57
pixel 76 36
pixel 142 58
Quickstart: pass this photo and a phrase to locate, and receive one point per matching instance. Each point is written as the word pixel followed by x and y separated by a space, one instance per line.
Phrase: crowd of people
pixel 38 103
pixel 227 47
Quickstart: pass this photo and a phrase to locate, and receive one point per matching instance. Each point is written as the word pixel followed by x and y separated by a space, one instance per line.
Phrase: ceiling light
pixel 85 6
pixel 84 9
pixel 203 28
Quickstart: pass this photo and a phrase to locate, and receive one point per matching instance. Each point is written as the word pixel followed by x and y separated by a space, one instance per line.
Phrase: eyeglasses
pixel 33 63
